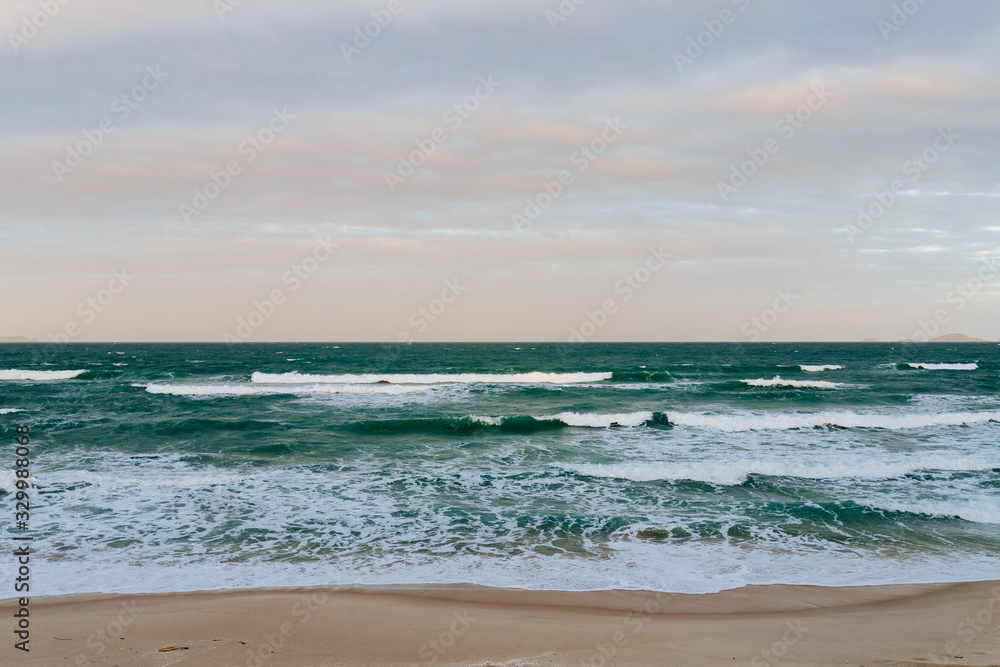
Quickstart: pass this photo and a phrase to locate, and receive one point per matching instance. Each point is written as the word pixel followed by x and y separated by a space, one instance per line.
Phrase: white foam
pixel 818 369
pixel 251 390
pixel 723 474
pixel 7 411
pixel 632 565
pixel 734 473
pixel 536 377
pixel 601 421
pixel 846 419
pixel 8 481
pixel 372 544
pixel 185 483
pixel 802 384
pixel 14 374
pixel 944 367
pixel 179 482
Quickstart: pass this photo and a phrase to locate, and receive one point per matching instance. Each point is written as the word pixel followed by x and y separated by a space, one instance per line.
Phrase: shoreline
pixel 463 624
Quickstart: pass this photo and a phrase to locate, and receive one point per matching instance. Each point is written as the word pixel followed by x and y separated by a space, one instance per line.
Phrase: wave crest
pixel 798 384
pixel 535 377
pixel 602 421
pixel 735 473
pixel 521 424
pixel 943 367
pixel 15 375
pixel 842 419
pixel 250 390
pixel 978 510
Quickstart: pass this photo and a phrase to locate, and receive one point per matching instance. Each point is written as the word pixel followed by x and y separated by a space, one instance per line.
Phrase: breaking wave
pixel 519 424
pixel 942 367
pixel 798 384
pixel 250 390
pixel 842 419
pixel 735 473
pixel 32 376
pixel 535 377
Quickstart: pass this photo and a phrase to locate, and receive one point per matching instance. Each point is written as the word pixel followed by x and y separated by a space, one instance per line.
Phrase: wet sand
pixel 950 624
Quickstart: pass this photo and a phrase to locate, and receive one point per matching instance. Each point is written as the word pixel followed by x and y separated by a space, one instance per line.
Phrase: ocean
pixel 671 467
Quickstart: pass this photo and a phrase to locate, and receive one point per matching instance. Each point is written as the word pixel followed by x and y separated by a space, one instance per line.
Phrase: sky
pixel 515 170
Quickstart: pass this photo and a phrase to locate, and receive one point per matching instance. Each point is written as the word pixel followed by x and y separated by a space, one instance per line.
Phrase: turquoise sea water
pixel 683 467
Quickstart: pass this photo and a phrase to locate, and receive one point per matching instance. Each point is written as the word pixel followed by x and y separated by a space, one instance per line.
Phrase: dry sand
pixel 954 624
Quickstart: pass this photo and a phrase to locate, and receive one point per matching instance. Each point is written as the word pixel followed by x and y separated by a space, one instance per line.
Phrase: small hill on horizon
pixel 956 338
pixel 947 338
pixel 16 339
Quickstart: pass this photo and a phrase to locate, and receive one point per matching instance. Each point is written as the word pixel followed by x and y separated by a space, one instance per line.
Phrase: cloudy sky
pixel 185 170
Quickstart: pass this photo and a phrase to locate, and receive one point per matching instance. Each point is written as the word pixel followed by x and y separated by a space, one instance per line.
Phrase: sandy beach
pixel 951 624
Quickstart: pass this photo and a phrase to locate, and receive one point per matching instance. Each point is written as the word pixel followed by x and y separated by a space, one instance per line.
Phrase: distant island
pixel 956 338
pixel 16 339
pixel 947 338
